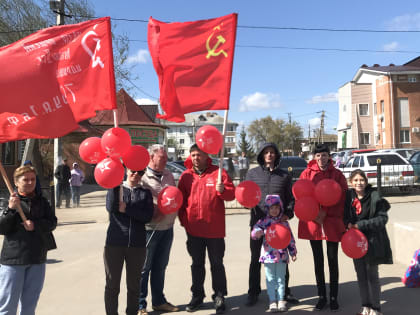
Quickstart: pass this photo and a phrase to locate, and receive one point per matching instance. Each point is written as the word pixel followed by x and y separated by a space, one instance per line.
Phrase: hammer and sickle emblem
pixel 220 40
pixel 95 59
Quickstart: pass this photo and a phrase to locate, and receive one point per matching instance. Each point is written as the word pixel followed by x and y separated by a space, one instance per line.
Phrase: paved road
pixel 75 273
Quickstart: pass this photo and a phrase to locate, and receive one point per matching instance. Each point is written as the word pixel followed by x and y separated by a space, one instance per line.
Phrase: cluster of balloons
pixel 326 192
pixel 109 152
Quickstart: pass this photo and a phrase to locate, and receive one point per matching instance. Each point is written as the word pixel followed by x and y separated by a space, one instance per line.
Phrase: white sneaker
pixel 364 311
pixel 375 312
pixel 281 306
pixel 273 307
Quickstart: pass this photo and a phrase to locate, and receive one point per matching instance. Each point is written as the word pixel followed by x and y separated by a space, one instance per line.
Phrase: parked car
pixel 344 156
pixel 175 169
pixel 405 153
pixel 215 161
pixel 295 165
pixel 415 162
pixel 396 171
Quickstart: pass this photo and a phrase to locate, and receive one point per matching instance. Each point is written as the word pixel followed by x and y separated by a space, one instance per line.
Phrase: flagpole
pixel 10 188
pixel 222 153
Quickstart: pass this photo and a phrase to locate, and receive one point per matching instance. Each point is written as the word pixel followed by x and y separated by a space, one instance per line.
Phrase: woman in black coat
pixel 367 211
pixel 25 245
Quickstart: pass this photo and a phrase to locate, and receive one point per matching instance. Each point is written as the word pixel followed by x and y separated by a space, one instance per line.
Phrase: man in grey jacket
pixel 159 234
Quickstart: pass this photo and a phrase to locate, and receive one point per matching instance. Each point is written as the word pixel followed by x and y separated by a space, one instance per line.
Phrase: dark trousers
pixel 242 174
pixel 114 257
pixel 62 189
pixel 332 254
pixel 196 247
pixel 255 269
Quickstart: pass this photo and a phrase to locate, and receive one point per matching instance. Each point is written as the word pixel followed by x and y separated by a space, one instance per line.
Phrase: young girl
pixel 366 210
pixel 274 260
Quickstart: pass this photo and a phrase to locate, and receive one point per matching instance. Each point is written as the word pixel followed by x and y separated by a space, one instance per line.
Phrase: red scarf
pixel 357 205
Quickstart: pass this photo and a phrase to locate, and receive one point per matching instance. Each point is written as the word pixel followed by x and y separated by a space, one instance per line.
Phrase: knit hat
pixel 273 200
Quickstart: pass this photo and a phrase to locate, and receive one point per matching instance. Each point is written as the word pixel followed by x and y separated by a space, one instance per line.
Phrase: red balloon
pixel 170 199
pixel 115 142
pixel 248 193
pixel 278 236
pixel 302 188
pixel 306 208
pixel 209 139
pixel 109 173
pixel 90 150
pixel 328 192
pixel 354 243
pixel 136 158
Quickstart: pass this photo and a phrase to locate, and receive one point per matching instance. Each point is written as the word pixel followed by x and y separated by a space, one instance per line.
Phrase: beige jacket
pixel 156 184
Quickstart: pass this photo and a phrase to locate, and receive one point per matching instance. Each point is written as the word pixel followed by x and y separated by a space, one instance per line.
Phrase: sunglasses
pixel 138 172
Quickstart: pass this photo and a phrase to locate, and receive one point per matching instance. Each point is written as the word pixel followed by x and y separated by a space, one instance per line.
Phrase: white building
pixel 183 134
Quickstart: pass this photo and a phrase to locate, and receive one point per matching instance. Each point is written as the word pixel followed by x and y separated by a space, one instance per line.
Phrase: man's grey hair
pixel 153 149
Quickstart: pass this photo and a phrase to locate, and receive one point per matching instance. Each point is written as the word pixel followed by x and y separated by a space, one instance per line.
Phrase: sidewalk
pixel 75 273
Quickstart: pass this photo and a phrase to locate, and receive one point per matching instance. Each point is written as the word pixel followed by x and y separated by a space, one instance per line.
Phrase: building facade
pixel 180 136
pixel 380 107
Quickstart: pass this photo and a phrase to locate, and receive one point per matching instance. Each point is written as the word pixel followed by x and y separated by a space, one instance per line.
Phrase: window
pixel 364 109
pixel 402 78
pixel 364 138
pixel 375 109
pixel 231 128
pixel 388 159
pixel 362 161
pixel 230 139
pixel 356 161
pixel 8 153
pixel 404 112
pixel 412 79
pixel 404 136
pixel 181 141
pixel 382 107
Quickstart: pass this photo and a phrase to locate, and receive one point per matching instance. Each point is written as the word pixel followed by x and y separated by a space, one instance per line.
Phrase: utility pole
pixel 321 128
pixel 57 7
pixel 290 118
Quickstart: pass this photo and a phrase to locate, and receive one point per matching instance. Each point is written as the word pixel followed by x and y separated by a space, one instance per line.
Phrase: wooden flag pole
pixel 222 153
pixel 10 188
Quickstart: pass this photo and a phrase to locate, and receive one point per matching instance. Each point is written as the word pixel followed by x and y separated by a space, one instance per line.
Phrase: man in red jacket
pixel 327 226
pixel 203 217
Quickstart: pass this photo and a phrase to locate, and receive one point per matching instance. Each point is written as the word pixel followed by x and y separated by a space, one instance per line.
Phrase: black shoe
pixel 219 304
pixel 194 304
pixel 290 298
pixel 321 303
pixel 334 305
pixel 251 300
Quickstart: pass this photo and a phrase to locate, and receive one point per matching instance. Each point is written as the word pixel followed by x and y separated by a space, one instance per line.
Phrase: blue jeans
pixel 20 284
pixel 275 278
pixel 157 258
pixel 75 195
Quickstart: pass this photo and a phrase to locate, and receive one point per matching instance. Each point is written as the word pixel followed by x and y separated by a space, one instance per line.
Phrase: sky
pixel 281 81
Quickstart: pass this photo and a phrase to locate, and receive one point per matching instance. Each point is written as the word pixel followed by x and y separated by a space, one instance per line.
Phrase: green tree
pixel 244 145
pixel 283 134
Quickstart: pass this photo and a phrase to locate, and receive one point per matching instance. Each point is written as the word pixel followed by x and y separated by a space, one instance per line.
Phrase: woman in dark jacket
pixel 367 211
pixel 126 241
pixel 25 245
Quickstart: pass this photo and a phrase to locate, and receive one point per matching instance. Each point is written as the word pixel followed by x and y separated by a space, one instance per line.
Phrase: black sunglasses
pixel 137 172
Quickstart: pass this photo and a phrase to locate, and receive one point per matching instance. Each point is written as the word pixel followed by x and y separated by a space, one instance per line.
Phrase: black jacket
pixel 127 229
pixel 63 174
pixel 275 182
pixel 21 247
pixel 371 221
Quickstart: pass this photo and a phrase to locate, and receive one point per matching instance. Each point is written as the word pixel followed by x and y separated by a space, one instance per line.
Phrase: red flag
pixel 194 63
pixel 55 78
